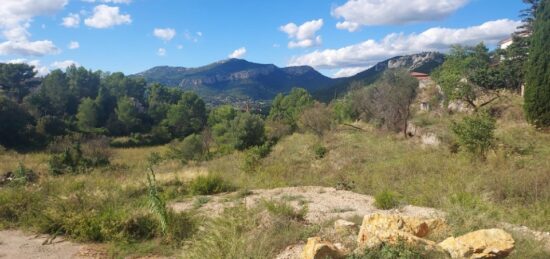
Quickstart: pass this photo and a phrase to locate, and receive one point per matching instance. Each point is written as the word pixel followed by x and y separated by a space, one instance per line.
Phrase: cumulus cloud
pixel 369 52
pixel 71 21
pixel 108 1
pixel 43 70
pixel 74 45
pixel 161 52
pixel 238 53
pixel 165 34
pixel 15 19
pixel 63 64
pixel 28 48
pixel 350 71
pixel 358 13
pixel 105 16
pixel 303 36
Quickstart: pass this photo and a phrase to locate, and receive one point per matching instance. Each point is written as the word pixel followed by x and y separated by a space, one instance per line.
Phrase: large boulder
pixel 393 228
pixel 319 249
pixel 486 243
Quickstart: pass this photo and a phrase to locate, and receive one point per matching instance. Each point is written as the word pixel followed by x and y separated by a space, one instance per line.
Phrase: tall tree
pixel 87 116
pixel 537 91
pixel 128 112
pixel 186 117
pixel 17 80
pixel 287 108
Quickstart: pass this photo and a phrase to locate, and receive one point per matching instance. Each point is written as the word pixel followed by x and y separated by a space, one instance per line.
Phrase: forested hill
pixel 236 79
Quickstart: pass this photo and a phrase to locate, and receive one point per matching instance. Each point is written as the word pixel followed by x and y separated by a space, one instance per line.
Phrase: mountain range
pixel 237 80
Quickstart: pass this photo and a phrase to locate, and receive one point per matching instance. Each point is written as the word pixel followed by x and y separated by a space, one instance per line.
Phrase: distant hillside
pixel 422 62
pixel 235 80
pixel 238 79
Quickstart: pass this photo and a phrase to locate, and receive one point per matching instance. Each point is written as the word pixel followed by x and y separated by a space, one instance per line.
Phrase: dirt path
pixel 19 245
pixel 322 203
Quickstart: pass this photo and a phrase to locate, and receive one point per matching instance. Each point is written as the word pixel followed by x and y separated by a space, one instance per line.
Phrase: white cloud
pixel 105 16
pixel 190 37
pixel 63 64
pixel 28 48
pixel 238 53
pixel 180 46
pixel 350 71
pixel 303 36
pixel 358 13
pixel 108 1
pixel 71 21
pixel 15 19
pixel 74 45
pixel 165 34
pixel 161 52
pixel 369 52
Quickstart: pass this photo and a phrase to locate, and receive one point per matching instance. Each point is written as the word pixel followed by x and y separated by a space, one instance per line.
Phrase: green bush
pixel 22 176
pixel 386 200
pixel 76 159
pixel 254 155
pixel 320 151
pixel 207 185
pixel 285 210
pixel 192 148
pixel 398 251
pixel 475 133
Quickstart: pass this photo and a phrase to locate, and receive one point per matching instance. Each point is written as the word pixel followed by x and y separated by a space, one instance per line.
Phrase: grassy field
pixel 110 205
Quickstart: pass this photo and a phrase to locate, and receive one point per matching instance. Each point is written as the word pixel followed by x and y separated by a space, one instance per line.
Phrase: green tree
pixel 466 75
pixel 537 91
pixel 15 124
pixel 87 116
pixel 186 117
pixel 159 100
pixel 247 130
pixel 475 133
pixel 83 83
pixel 17 80
pixel 55 90
pixel 190 148
pixel 128 114
pixel 219 121
pixel 288 108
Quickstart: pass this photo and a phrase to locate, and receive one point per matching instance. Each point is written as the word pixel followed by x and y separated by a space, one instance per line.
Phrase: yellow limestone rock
pixel 392 228
pixel 486 243
pixel 318 249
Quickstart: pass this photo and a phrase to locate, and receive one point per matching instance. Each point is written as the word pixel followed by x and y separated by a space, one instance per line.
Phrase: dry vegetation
pixel 109 203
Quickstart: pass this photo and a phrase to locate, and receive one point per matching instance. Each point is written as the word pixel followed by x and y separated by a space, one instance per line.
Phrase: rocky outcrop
pixel 378 229
pixel 487 243
pixel 319 249
pixel 344 226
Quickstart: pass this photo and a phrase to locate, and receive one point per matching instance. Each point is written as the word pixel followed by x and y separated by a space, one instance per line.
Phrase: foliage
pixel 156 204
pixel 467 74
pixel 76 159
pixel 128 112
pixel 254 155
pixel 87 115
pixel 387 102
pixel 247 130
pixel 475 133
pixel 320 150
pixel 401 250
pixel 192 148
pixel 537 91
pixel 317 118
pixel 186 117
pixel 207 185
pixel 288 108
pixel 285 210
pixel 386 200
pixel 16 80
pixel 15 124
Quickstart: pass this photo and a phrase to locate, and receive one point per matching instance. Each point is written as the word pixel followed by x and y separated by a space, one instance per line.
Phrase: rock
pixel 344 226
pixel 318 249
pixel 393 228
pixel 486 243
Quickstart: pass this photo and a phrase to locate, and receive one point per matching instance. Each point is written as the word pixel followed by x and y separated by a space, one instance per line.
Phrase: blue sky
pixel 119 35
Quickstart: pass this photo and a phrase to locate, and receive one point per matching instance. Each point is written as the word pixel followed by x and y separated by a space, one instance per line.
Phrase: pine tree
pixel 537 91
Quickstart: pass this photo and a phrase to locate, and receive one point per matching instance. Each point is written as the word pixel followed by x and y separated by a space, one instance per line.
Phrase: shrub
pixel 319 150
pixel 253 156
pixel 76 159
pixel 400 250
pixel 139 227
pixel 191 148
pixel 207 185
pixel 23 176
pixel 386 200
pixel 475 133
pixel 285 210
pixel 317 119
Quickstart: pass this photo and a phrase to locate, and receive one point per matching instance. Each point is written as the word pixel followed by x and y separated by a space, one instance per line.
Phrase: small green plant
pixel 254 155
pixel 200 201
pixel 398 251
pixel 22 176
pixel 386 200
pixel 475 134
pixel 320 151
pixel 75 160
pixel 207 185
pixel 285 210
pixel 157 205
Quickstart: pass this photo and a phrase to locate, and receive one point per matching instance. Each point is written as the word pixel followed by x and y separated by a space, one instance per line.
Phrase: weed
pixel 386 200
pixel 208 185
